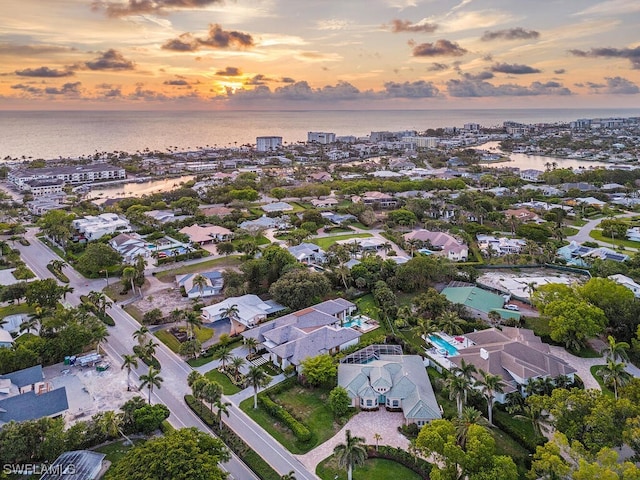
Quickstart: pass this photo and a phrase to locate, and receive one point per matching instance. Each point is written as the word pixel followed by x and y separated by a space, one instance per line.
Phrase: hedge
pixel 149 362
pixel 254 461
pixel 58 274
pixel 417 464
pixel 527 442
pixel 184 256
pixel 104 317
pixel 300 430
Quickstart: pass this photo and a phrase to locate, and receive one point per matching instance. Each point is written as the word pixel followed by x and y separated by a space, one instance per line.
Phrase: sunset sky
pixel 328 54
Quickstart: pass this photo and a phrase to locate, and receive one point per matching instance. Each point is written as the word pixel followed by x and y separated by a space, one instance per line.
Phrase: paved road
pixel 174 373
pixel 585 230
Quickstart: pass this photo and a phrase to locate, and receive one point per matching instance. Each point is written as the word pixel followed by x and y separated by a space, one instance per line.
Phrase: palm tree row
pixel 614 372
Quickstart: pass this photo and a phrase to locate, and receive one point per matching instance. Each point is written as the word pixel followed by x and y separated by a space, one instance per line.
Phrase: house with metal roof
pixel 75 465
pixel 306 333
pixel 479 301
pixel 277 207
pixel 396 382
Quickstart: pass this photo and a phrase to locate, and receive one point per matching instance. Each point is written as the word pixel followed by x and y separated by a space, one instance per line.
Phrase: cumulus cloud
pixel 560 71
pixel 111 60
pixel 437 67
pixel 513 69
pixel 287 80
pixel 141 7
pixel 229 72
pixel 31 50
pixel 631 54
pixel 44 72
pixel 67 89
pixel 621 86
pixel 217 38
pixel 471 88
pixel 517 33
pixel 441 47
pixel 177 83
pixel 478 76
pixel 417 89
pixel 398 26
pixel 259 79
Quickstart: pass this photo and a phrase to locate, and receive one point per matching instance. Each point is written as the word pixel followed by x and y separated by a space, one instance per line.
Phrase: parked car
pixel 511 306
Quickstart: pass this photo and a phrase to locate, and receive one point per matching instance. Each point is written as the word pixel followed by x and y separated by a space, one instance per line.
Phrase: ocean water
pixel 54 134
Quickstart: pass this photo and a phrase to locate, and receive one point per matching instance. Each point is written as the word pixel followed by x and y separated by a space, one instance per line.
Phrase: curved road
pixel 585 230
pixel 174 373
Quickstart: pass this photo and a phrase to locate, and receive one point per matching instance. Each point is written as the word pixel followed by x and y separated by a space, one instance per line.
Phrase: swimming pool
pixel 353 322
pixel 440 343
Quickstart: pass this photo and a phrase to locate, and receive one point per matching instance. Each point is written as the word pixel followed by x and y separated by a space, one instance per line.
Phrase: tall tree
pixel 150 380
pixel 614 373
pixel 351 453
pixel 129 362
pixel 222 407
pixel 201 282
pixel 615 351
pixel 141 334
pixel 489 385
pixel 128 276
pixel 257 378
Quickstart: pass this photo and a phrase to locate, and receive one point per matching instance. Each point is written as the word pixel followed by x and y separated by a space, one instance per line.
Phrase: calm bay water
pixel 54 134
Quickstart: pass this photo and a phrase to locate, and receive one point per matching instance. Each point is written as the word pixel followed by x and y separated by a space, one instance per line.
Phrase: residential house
pixel 319 177
pixel 479 301
pixel 6 340
pixel 204 234
pixel 633 234
pixel 371 244
pixel 76 465
pixel 251 311
pixel 531 175
pixel 443 244
pixel 500 246
pixel 379 199
pixel 95 227
pixel 516 355
pixel 306 333
pixel 276 207
pixel 338 219
pixel 626 282
pixel 264 223
pixel 591 202
pixel 214 284
pixel 523 215
pixel 131 246
pixel 582 186
pixel 24 395
pixel 308 253
pixel 215 210
pixel 325 202
pixel 164 216
pixel 396 382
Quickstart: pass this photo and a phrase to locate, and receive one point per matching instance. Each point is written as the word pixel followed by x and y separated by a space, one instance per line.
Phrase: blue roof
pixel 26 376
pixel 30 406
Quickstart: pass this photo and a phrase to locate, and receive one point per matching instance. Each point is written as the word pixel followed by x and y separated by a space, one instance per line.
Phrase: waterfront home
pixel 531 175
pixel 94 227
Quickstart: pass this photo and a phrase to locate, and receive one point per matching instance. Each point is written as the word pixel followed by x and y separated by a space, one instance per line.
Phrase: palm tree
pixel 257 379
pixel 100 334
pixel 148 350
pixel 457 386
pixel 193 320
pixel 425 328
pixel 252 344
pixel 377 437
pixel 201 282
pixel 221 407
pixel 490 385
pixel 64 289
pixel 176 315
pixel 237 363
pixel 350 453
pixel 451 323
pixel 129 275
pixel 57 265
pixel 289 476
pixel 469 416
pixel 615 350
pixel 151 379
pixel 231 312
pixel 130 361
pixel 211 393
pixel 141 334
pixel 614 374
pixel 224 355
pixel 539 418
pixel 466 370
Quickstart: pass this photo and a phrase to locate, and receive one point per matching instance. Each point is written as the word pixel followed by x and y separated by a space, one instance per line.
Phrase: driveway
pixel 364 424
pixel 585 230
pixel 582 365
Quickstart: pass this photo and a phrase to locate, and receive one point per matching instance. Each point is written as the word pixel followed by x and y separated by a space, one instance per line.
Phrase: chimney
pixel 484 354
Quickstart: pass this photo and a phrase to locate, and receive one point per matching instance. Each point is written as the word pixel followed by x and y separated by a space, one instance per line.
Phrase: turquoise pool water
pixel 353 322
pixel 440 343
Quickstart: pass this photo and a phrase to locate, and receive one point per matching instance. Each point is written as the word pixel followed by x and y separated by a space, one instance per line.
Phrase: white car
pixel 511 306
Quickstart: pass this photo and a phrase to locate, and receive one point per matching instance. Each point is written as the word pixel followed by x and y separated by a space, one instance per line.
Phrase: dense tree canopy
pixel 96 257
pixel 300 288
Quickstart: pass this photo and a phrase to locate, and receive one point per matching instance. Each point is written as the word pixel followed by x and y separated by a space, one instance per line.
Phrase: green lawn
pixel 262 240
pixel 306 404
pixel 597 235
pixel 605 389
pixel 168 276
pixel 569 231
pixel 203 334
pixel 169 340
pixel 228 388
pixel 539 325
pixel 360 225
pixel 134 311
pixel 326 242
pixel 373 469
pixel 15 309
pixel 115 452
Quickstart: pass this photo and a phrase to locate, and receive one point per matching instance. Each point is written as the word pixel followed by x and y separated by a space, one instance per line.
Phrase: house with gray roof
pixel 264 223
pixel 251 310
pixel 516 355
pixel 213 286
pixel 307 333
pixel 307 253
pixel 277 207
pixel 76 465
pixel 396 382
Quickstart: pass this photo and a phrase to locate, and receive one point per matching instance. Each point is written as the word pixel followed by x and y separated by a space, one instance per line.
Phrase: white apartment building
pixel 500 246
pixel 71 174
pixel 321 137
pixel 422 142
pixel 95 227
pixel 267 144
pixel 41 187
